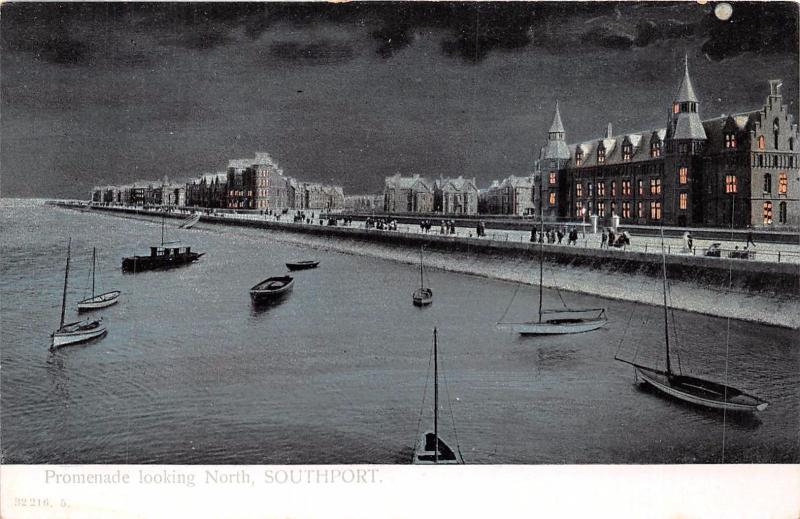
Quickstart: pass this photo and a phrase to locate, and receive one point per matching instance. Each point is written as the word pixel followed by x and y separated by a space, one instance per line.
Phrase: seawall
pixel 747 290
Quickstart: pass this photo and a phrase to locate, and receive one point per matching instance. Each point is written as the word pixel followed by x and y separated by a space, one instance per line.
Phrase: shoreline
pixel 600 280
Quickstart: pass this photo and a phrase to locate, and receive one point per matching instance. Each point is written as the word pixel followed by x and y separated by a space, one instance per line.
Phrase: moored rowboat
pixel 271 288
pixel 422 296
pixel 302 265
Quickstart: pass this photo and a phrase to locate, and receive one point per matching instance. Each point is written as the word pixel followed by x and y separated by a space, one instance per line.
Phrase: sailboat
pixel 692 389
pixel 98 301
pixel 163 257
pixel 78 331
pixel 431 448
pixel 422 296
pixel 557 322
pixel 188 222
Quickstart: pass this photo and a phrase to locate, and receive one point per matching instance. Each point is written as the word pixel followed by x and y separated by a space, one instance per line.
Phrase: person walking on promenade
pixel 603 239
pixel 533 235
pixel 612 237
pixel 689 241
pixel 749 237
pixel 560 235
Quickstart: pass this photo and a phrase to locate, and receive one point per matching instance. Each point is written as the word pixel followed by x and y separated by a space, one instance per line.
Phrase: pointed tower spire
pixel 686 91
pixel 556 147
pixel 557 126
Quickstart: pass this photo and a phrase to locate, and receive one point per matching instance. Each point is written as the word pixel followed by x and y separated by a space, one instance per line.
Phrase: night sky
pixel 350 93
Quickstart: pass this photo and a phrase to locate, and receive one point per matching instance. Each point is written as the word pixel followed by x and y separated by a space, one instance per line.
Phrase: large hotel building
pixel 739 169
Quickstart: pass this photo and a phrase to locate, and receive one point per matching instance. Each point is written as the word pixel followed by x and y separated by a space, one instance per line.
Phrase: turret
pixel 685 131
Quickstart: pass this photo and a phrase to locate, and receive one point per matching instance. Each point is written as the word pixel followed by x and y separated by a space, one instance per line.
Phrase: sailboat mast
pixel 435 399
pixel 421 278
pixel 664 279
pixel 541 244
pixel 163 219
pixel 94 255
pixel 66 278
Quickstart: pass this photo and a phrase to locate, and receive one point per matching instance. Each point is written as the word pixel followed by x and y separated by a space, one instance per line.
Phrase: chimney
pixel 609 131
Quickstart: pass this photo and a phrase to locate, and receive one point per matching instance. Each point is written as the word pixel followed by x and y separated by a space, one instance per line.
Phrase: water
pixel 191 372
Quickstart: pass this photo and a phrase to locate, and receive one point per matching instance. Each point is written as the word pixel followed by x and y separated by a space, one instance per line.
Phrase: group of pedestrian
pixel 554 236
pixel 447 227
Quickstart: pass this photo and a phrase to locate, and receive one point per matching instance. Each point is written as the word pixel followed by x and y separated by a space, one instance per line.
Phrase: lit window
pixel 626 209
pixel 601 155
pixel 683 175
pixel 579 190
pixel 641 187
pixel 730 184
pixel 601 189
pixel 578 157
pixel 601 209
pixel 613 188
pixel 767 213
pixel 783 184
pixel 767 183
pixel 730 140
pixel 782 212
pixel 655 186
pixel 639 210
pixel 552 178
pixel 676 108
pixel 626 188
pixel 655 149
pixel 578 209
pixel 761 143
pixel 655 210
pixel 613 208
pixel 683 200
pixel 590 189
pixel 626 152
pixel 552 198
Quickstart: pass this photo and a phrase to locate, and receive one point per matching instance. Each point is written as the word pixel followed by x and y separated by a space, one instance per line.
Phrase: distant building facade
pixel 511 196
pixel 412 194
pixel 455 196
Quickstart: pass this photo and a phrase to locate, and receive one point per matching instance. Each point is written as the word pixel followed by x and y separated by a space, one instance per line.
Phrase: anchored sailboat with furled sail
pixel 98 301
pixel 567 320
pixel 78 331
pixel 693 389
pixel 431 448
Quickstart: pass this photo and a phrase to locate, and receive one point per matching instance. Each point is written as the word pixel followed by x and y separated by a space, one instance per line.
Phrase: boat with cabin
pixel 165 256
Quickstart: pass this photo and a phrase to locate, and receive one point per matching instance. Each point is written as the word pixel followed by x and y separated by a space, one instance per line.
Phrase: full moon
pixel 723 11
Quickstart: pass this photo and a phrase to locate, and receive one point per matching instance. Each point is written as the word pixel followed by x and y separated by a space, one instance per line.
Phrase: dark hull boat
pixel 692 389
pixel 161 258
pixel 701 391
pixel 423 296
pixel 271 289
pixel 302 265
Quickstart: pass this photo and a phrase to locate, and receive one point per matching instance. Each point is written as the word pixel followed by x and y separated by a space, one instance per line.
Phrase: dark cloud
pixel 315 53
pixel 606 38
pixel 201 39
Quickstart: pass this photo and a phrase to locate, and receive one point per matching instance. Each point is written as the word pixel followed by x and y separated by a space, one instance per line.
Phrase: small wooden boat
pixel 422 296
pixel 98 301
pixel 302 265
pixel 78 331
pixel 431 448
pixel 271 289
